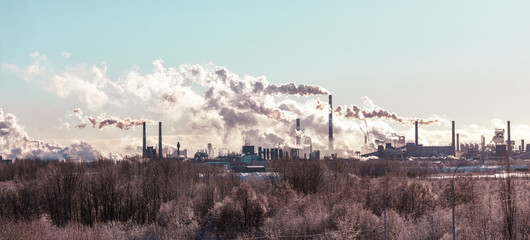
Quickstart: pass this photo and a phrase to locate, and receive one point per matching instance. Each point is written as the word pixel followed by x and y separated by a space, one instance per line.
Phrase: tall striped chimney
pixel 330 124
pixel 160 140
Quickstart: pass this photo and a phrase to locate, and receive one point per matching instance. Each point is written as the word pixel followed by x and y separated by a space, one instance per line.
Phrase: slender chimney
pixel 509 145
pixel 178 149
pixel 453 138
pixel 458 142
pixel 144 145
pixel 522 145
pixel 297 132
pixel 160 140
pixel 416 131
pixel 330 124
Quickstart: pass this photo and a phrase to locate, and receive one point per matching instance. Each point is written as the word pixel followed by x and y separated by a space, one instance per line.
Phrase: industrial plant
pixel 256 158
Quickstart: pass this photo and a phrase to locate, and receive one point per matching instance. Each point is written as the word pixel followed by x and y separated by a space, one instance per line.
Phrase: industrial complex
pixel 254 158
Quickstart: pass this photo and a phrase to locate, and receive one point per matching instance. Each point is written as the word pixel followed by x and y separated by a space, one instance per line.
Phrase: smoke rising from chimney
pixel 103 121
pixel 211 102
pixel 374 111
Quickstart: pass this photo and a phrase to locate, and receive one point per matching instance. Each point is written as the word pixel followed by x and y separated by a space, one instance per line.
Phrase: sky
pixel 456 60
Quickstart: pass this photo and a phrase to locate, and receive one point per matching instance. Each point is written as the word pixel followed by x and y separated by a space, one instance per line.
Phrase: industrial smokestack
pixel 144 143
pixel 458 142
pixel 416 131
pixel 509 141
pixel 178 149
pixel 453 138
pixel 297 131
pixel 330 124
pixel 160 140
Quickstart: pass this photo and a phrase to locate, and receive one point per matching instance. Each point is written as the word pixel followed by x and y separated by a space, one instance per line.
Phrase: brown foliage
pixel 320 200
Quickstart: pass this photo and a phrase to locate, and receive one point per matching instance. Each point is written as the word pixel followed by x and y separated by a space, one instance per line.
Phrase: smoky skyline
pixel 209 104
pixel 230 72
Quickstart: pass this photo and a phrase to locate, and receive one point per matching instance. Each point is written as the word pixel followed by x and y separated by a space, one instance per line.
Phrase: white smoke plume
pixel 102 121
pixel 208 103
pixel 374 111
pixel 16 144
pixel 230 108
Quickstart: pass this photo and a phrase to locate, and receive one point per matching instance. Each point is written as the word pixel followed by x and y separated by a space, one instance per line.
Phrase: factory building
pixel 314 155
pixel 303 150
pixel 415 149
pixel 248 150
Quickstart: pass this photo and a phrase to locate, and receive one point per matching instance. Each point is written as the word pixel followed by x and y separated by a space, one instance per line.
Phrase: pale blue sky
pixel 466 60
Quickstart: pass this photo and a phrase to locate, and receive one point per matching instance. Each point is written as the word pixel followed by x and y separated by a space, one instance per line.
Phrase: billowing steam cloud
pixel 374 111
pixel 16 144
pixel 229 109
pixel 207 103
pixel 103 121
